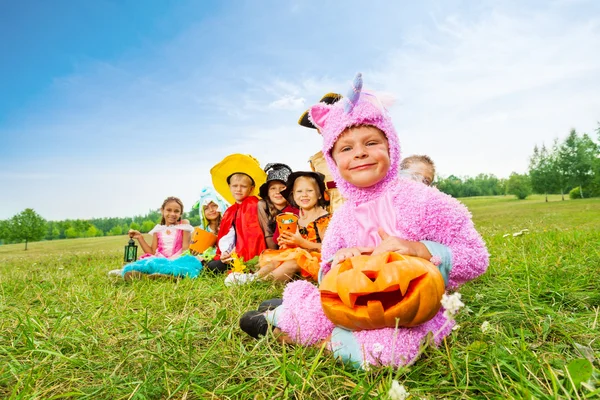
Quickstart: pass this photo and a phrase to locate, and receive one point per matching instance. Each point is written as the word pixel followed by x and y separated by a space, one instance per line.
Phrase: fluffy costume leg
pixel 301 316
pixel 387 346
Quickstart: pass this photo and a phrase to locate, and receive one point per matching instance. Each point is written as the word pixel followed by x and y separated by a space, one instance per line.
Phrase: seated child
pixel 170 239
pixel 381 214
pixel 418 168
pixel 236 178
pixel 211 207
pixel 300 251
pixel 273 203
pixel 317 161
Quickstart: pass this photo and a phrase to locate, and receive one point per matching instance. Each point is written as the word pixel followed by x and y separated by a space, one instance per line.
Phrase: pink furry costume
pixel 403 208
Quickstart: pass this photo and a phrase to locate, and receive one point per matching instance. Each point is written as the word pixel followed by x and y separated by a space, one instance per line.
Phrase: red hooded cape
pixel 249 238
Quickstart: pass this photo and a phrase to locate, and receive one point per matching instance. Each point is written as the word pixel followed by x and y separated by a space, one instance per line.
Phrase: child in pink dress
pixel 171 237
pixel 170 240
pixel 381 214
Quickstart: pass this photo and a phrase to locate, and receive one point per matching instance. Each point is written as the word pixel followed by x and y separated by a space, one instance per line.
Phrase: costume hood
pixel 358 108
pixel 208 195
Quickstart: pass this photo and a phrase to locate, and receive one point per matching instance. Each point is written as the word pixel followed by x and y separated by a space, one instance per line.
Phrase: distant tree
pixel 542 172
pixel 576 156
pixel 72 233
pixel 135 225
pixel 519 185
pixel 55 233
pixel 27 225
pixel 4 231
pixel 115 231
pixel 147 226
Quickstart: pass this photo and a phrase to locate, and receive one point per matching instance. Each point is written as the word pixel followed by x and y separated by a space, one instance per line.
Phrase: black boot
pixel 269 305
pixel 254 324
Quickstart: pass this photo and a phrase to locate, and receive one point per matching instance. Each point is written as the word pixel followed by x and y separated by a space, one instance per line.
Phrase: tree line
pixel 571 166
pixel 29 226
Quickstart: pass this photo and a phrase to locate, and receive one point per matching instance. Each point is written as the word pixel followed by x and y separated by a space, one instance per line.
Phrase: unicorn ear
pixel 318 115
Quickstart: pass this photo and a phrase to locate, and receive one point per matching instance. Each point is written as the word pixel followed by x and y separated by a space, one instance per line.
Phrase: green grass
pixel 67 331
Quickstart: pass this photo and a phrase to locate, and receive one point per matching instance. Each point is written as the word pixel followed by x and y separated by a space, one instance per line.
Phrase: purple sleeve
pixel 448 222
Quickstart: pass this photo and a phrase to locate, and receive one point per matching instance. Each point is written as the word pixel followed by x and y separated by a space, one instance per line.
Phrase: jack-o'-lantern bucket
pixel 202 240
pixel 385 290
pixel 287 222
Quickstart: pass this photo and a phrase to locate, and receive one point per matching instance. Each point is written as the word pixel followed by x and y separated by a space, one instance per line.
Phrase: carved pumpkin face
pixel 202 240
pixel 371 292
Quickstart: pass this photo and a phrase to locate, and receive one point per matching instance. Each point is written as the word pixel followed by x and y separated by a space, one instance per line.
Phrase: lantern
pixel 130 252
pixel 386 290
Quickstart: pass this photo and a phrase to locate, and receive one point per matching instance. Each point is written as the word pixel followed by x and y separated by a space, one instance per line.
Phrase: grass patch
pixel 67 331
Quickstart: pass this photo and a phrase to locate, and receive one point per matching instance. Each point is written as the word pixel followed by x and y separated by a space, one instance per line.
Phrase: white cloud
pixel 476 88
pixel 288 102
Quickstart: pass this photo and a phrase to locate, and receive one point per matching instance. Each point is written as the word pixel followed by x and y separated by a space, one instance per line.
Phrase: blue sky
pixel 108 107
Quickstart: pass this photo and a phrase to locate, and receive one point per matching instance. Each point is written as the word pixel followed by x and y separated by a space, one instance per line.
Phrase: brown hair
pixel 218 218
pixel 168 200
pixel 271 209
pixel 408 161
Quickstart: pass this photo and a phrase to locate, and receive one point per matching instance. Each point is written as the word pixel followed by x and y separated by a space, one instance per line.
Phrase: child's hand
pixel 134 234
pixel 290 239
pixel 392 243
pixel 343 254
pixel 225 256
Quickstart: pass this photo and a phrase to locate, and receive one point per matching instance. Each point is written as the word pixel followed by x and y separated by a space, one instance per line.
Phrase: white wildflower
pixel 506 235
pixel 478 296
pixel 377 348
pixel 456 327
pixel 485 327
pixel 517 233
pixel 397 391
pixel 451 304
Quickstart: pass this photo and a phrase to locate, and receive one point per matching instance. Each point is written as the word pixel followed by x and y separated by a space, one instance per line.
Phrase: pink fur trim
pixel 392 347
pixel 302 317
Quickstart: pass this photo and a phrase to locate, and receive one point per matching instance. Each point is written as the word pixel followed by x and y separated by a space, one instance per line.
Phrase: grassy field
pixel 68 331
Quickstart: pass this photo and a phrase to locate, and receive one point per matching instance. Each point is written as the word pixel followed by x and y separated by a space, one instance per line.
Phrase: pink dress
pixel 170 240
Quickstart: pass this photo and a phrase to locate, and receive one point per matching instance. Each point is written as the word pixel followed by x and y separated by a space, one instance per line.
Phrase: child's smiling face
pixel 275 189
pixel 211 211
pixel 306 193
pixel 171 213
pixel 362 155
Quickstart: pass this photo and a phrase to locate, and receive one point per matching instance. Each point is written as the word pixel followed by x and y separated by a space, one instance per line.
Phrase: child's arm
pixel 297 240
pixel 186 240
pixel 140 238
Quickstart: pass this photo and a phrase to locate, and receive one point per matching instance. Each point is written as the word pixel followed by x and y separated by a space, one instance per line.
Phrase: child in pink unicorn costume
pixel 382 213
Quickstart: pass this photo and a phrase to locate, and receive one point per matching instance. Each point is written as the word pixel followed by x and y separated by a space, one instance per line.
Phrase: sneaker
pixel 239 278
pixel 254 324
pixel 269 305
pixel 115 272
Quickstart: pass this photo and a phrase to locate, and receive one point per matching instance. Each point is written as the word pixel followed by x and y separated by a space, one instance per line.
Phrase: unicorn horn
pixel 354 93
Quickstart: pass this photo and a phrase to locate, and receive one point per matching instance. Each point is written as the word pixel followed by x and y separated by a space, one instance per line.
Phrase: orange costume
pixel 308 261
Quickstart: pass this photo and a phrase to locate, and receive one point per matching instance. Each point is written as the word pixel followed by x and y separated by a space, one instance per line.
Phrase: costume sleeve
pixel 448 222
pixel 156 228
pixel 442 255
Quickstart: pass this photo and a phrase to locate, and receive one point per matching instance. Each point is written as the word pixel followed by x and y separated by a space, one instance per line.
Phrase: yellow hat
pixel 232 164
